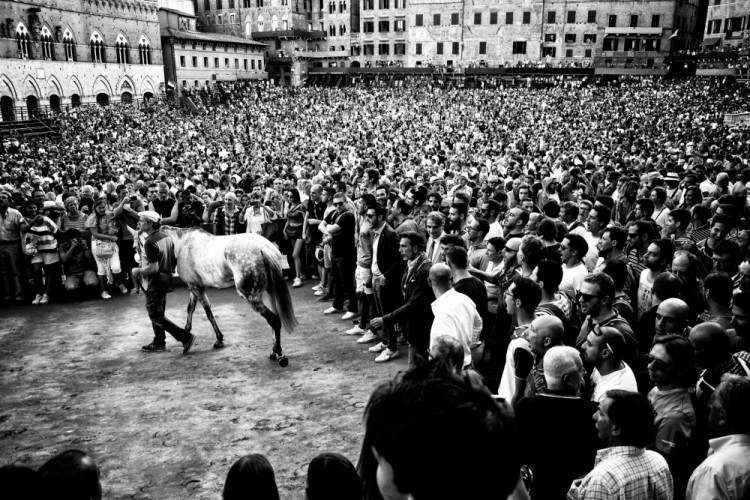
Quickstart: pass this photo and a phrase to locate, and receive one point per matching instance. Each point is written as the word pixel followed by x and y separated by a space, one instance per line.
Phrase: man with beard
pixel 514 223
pixel 611 246
pixel 602 356
pixel 658 257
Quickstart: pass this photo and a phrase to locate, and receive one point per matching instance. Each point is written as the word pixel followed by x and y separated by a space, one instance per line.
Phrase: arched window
pixel 22 39
pixel 219 6
pixel 144 50
pixel 123 49
pixel 261 23
pixel 284 23
pixel 231 18
pixel 274 23
pixel 47 43
pixel 231 4
pixel 98 49
pixel 248 26
pixel 69 45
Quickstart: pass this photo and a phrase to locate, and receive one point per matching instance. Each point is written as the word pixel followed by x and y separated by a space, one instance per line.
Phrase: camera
pixel 133 198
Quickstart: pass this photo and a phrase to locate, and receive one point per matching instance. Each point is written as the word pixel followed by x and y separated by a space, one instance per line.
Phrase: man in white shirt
pixel 455 313
pixel 724 474
pixel 602 351
pixel 572 250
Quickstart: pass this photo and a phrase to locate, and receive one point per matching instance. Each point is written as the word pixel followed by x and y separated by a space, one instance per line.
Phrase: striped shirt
pixel 45 236
pixel 637 263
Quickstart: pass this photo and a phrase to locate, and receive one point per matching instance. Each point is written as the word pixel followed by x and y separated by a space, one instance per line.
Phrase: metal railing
pixel 38 113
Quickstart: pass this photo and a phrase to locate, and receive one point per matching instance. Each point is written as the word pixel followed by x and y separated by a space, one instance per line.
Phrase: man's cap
pixel 50 205
pixel 150 216
pixel 671 176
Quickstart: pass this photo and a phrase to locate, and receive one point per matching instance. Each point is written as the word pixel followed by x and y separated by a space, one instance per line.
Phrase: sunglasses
pixel 586 297
pixel 338 203
pixel 658 363
pixel 370 215
pixel 598 332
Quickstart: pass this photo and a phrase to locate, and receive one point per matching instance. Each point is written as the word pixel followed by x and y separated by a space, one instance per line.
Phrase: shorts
pixel 293 233
pixel 361 276
pixel 46 258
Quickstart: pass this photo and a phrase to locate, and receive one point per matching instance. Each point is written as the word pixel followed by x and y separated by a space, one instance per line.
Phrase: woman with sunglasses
pixel 672 369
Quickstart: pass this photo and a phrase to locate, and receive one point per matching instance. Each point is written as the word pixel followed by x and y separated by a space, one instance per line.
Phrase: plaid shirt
pixel 625 473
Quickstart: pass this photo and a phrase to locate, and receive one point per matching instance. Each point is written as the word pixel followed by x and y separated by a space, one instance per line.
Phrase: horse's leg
pixel 201 295
pixel 190 311
pixel 256 301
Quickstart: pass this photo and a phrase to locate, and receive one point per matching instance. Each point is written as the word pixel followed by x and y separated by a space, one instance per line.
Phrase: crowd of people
pixel 577 252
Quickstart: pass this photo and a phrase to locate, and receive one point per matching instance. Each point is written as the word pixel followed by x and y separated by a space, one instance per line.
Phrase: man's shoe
pixel 297 283
pixel 379 347
pixel 123 289
pixel 317 287
pixel 154 348
pixel 36 300
pixel 332 310
pixel 326 298
pixel 349 315
pixel 367 338
pixel 386 356
pixel 355 331
pixel 320 292
pixel 45 299
pixel 105 295
pixel 188 344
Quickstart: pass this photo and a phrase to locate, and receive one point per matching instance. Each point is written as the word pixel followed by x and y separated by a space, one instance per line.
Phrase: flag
pixel 674 34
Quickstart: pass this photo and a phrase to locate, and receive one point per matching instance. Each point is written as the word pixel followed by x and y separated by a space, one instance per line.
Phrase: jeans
pixel 417 355
pixel 386 301
pixel 342 271
pixel 156 305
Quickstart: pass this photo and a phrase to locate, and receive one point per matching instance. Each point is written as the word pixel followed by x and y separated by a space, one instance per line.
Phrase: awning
pixel 710 42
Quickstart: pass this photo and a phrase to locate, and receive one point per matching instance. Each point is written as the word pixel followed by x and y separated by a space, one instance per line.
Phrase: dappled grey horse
pixel 248 262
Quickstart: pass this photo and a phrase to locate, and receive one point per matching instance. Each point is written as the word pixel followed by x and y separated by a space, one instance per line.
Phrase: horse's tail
pixel 279 291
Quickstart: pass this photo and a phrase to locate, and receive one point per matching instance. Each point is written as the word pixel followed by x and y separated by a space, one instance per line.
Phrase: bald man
pixel 455 313
pixel 714 357
pixel 545 332
pixel 602 355
pixel 672 317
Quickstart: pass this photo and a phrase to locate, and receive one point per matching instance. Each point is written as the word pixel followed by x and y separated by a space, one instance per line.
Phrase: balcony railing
pixel 632 31
pixel 312 35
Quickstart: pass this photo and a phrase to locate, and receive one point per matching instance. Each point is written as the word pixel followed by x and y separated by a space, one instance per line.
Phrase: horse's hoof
pixel 283 361
pixel 218 344
pixel 273 356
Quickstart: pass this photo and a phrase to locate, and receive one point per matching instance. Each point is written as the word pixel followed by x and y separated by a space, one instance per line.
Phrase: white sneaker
pixel 105 295
pixel 350 315
pixel 317 287
pixel 379 347
pixel 36 300
pixel 367 338
pixel 355 331
pixel 386 356
pixel 296 283
pixel 45 299
pixel 320 292
pixel 332 310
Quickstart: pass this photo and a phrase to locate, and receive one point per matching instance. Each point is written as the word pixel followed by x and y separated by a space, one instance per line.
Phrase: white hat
pixel 150 216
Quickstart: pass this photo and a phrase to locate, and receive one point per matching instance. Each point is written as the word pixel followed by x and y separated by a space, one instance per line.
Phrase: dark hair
pixel 498 243
pixel 667 286
pixel 681 216
pixel 528 292
pixel 368 200
pixel 17 481
pixel 403 417
pixel 457 257
pixel 730 248
pixel 661 194
pixel 251 475
pixel 415 239
pixel 533 250
pixel 647 206
pixel 666 248
pixel 483 225
pixel 741 300
pixel 295 194
pixel 722 219
pixel 701 212
pixel 605 200
pixel 547 229
pixel 618 271
pixel 551 209
pixel 618 234
pixel 634 415
pixel 380 210
pixel 578 244
pixel 373 175
pixel 570 209
pixel 331 476
pixel 493 206
pixel 733 396
pixel 71 475
pixel 462 208
pixel 550 274
pixel 523 216
pixel 403 205
pixel 435 195
pixel 603 215
pixel 605 283
pixel 452 240
pixel 720 286
pixel 682 353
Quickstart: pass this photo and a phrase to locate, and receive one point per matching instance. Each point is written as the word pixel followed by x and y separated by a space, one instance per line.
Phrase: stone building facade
pixel 727 25
pixel 69 52
pixel 195 59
